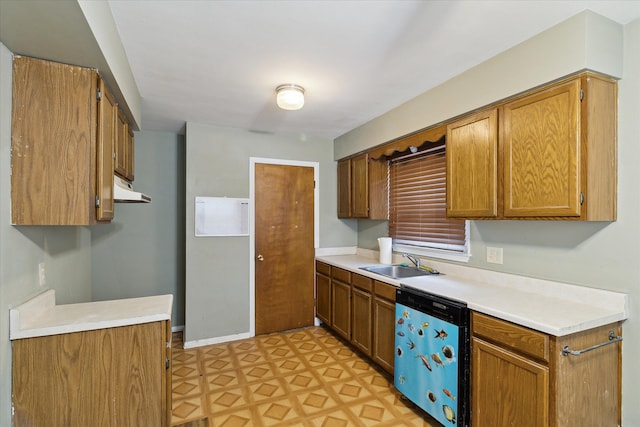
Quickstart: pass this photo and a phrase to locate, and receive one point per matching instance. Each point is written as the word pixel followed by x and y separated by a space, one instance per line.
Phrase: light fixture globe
pixel 290 97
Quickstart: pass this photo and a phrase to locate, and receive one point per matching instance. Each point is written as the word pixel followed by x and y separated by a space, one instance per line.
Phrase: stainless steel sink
pixel 398 271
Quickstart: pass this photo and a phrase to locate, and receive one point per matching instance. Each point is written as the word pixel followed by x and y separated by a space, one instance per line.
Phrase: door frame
pixel 252 222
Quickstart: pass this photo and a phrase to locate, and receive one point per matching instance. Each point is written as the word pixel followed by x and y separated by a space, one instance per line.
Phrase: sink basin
pixel 397 271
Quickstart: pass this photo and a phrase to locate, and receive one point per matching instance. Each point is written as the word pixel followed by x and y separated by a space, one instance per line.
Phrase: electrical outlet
pixel 494 255
pixel 43 278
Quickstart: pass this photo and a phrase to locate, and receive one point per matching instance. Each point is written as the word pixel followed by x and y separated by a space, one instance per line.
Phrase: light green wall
pixel 601 255
pixel 217 268
pixel 141 252
pixel 559 51
pixel 65 251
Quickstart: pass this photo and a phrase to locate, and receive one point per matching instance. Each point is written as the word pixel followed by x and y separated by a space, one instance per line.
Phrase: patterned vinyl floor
pixel 305 377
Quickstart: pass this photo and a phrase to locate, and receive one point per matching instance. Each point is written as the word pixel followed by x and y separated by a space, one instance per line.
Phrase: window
pixel 417 206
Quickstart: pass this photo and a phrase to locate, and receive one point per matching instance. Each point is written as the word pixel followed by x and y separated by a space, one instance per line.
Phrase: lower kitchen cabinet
pixel 384 313
pixel 341 302
pixel 520 377
pixel 359 309
pixel 107 377
pixel 323 292
pixel 523 397
pixel 362 300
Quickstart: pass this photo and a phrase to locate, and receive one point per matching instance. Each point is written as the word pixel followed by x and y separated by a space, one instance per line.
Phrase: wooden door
pixel 284 245
pixel 542 153
pixel 507 389
pixel 472 161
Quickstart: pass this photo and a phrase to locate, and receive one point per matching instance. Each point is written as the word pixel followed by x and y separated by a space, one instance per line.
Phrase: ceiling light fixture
pixel 290 97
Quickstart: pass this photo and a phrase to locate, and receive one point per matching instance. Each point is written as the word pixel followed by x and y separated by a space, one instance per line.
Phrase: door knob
pixel 260 258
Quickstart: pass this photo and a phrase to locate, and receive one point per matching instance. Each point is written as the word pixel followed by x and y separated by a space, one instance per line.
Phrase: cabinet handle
pixel 612 339
pixel 260 258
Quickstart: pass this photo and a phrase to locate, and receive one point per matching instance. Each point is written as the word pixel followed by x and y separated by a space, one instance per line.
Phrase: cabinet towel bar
pixel 612 339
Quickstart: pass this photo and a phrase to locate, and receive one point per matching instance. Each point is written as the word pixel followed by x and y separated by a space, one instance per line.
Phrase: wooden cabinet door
pixel 122 134
pixel 542 153
pixel 53 131
pixel 129 155
pixel 507 389
pixel 360 186
pixel 341 308
pixel 323 298
pixel 472 161
pixel 384 312
pixel 361 326
pixel 107 118
pixel 344 188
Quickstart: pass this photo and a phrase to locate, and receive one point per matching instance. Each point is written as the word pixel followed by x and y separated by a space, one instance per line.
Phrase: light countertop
pixel 40 316
pixel 554 308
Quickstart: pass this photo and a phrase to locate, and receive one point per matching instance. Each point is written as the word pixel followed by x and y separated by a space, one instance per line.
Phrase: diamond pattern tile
pixel 302 378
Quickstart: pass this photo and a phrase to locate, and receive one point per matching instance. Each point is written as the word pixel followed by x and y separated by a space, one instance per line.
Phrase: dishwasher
pixel 432 354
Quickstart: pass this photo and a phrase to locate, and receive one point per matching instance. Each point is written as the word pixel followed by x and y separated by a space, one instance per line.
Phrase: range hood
pixel 123 192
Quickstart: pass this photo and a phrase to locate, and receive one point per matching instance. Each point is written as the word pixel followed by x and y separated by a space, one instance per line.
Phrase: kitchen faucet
pixel 413 259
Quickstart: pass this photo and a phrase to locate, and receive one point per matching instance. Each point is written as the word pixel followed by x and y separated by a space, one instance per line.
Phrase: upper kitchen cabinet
pixel 472 162
pixel 560 151
pixel 550 153
pixel 124 148
pixel 61 145
pixel 107 134
pixel 362 188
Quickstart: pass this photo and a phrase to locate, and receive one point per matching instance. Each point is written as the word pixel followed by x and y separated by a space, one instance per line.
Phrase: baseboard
pixel 217 340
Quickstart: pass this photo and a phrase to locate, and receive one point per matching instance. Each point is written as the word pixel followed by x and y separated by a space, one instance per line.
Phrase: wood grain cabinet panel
pixel 362 188
pixel 344 188
pixel 472 162
pixel 124 148
pixel 107 135
pixel 323 292
pixel 106 377
pixel 550 153
pixel 130 155
pixel 61 145
pixel 384 313
pixel 362 305
pixel 520 376
pixel 542 153
pixel 361 310
pixel 508 389
pixel 341 307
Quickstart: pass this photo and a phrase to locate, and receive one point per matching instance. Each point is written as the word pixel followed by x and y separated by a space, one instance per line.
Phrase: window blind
pixel 417 202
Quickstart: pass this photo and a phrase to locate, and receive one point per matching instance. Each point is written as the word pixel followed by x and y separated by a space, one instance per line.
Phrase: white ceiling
pixel 218 62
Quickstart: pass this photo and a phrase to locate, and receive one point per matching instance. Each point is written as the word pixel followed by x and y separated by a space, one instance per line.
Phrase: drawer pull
pixel 612 338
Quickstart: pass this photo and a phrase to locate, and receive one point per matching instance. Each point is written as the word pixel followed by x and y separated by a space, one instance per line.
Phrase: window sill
pixel 433 253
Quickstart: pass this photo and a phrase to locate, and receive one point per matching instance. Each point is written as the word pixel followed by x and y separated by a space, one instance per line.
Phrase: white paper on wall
pixel 222 216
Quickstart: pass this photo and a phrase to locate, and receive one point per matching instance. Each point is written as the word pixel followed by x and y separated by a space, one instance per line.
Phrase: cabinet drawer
pixel 362 282
pixel 341 275
pixel 323 268
pixel 519 338
pixel 385 290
